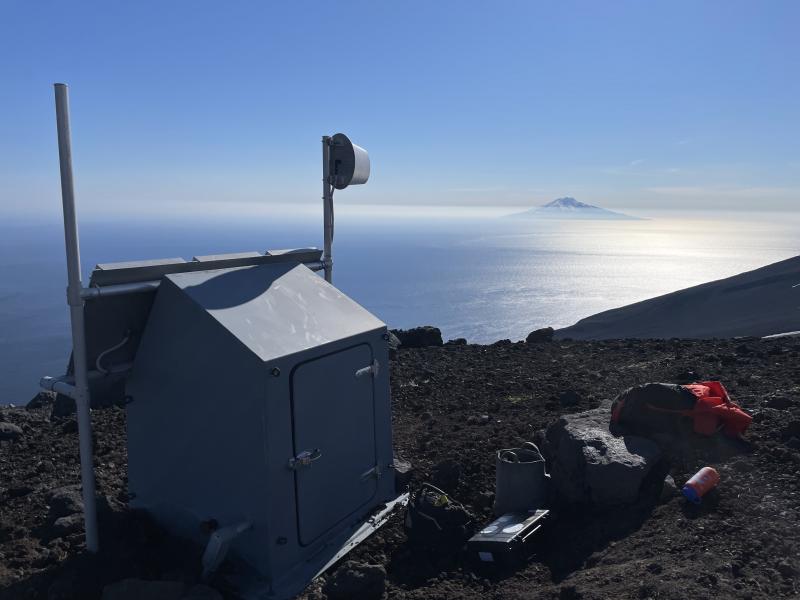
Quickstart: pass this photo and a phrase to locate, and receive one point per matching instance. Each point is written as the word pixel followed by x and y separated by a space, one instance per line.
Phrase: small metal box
pixel 509 536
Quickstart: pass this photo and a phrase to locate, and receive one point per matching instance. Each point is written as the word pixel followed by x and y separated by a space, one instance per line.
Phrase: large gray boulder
pixel 589 465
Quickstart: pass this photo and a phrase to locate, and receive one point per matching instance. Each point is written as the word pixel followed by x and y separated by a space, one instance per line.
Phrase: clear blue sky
pixel 625 104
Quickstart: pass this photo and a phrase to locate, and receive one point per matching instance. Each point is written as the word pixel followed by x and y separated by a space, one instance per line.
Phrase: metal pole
pixel 327 212
pixel 75 302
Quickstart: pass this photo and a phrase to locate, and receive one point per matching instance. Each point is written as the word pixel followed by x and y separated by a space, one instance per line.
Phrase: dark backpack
pixel 653 408
pixel 435 519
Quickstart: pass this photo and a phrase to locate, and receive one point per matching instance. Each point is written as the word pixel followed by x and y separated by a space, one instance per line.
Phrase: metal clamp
pixel 305 458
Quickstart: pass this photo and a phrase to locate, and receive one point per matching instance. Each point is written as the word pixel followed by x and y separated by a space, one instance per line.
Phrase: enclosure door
pixel 333 416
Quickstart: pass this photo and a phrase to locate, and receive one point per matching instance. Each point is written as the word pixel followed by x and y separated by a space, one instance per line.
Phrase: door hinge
pixel 304 459
pixel 369 370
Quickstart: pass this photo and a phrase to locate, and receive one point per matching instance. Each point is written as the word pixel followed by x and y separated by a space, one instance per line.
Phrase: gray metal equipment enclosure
pixel 257 395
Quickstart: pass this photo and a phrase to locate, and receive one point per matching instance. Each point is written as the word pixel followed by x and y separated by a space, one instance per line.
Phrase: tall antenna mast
pixel 74 287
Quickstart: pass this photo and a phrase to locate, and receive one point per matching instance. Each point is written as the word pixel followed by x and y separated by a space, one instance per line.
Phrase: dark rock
pixel 419 337
pixel 66 525
pixel 140 589
pixel 483 499
pixel 9 431
pixel 591 465
pixel 505 342
pixel 669 490
pixel 63 406
pixel 403 472
pixel 793 442
pixel 70 426
pixel 540 335
pixel 19 490
pixel 356 580
pixel 446 474
pixel 45 466
pixel 40 400
pixel 456 342
pixel 786 569
pixel 792 429
pixel 394 344
pixel 65 501
pixel 687 376
pixel 779 402
pixel 569 398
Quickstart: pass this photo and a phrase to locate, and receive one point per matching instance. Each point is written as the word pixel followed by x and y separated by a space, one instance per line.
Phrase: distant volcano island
pixel 569 208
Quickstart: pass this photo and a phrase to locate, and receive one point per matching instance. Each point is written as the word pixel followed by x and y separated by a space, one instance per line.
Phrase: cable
pixel 102 355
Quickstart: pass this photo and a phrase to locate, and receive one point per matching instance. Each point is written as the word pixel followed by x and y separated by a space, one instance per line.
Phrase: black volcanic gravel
pixel 460 403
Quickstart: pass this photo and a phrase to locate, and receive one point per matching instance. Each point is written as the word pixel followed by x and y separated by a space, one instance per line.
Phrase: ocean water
pixel 484 278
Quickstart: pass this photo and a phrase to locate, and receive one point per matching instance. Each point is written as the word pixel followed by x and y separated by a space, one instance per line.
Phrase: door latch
pixel 304 459
pixel 369 370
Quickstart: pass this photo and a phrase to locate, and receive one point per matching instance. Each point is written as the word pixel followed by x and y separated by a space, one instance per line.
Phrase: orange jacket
pixel 715 410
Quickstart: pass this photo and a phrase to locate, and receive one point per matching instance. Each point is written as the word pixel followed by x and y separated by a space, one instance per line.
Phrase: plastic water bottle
pixel 702 482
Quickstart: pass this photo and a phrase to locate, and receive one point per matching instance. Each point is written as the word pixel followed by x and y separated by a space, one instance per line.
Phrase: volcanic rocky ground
pixel 453 407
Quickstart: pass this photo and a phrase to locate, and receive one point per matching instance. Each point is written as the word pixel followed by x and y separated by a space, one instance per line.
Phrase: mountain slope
pixel 755 303
pixel 570 208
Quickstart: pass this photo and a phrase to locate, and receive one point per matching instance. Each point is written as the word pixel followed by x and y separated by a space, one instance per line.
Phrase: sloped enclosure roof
pixel 276 309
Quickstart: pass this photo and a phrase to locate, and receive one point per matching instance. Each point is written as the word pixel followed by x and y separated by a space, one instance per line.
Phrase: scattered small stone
pixel 66 525
pixel 779 402
pixel 70 426
pixel 792 429
pixel 9 431
pixel 537 336
pixel 446 474
pixel 356 580
pixel 655 568
pixel 403 471
pixel 484 499
pixel 394 344
pixel 19 491
pixel 687 376
pixel 40 400
pixel 65 501
pixel 63 406
pixel 569 398
pixel 786 569
pixel 45 466
pixel 669 489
